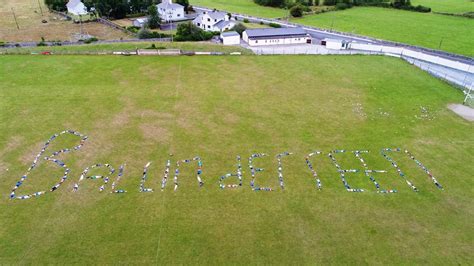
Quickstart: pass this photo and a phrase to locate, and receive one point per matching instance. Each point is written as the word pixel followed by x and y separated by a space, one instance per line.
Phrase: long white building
pixel 276 36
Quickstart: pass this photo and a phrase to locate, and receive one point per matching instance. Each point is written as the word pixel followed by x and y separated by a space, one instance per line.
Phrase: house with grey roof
pixel 170 11
pixel 276 36
pixel 214 21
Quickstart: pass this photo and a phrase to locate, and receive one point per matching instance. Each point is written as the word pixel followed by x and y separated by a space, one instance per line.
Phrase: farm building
pixel 214 21
pixel 170 11
pixel 140 22
pixel 76 8
pixel 276 36
pixel 230 38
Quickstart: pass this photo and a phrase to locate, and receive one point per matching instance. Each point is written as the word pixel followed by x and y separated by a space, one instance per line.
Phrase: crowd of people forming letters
pixel 237 175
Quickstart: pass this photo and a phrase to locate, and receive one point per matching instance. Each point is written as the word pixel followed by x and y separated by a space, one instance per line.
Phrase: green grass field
pixel 414 28
pixel 140 109
pixel 448 6
pixel 247 7
pixel 131 46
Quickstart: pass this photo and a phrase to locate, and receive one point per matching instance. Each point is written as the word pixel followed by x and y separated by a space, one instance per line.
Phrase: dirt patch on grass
pixel 31 26
pixel 155 131
pixel 13 143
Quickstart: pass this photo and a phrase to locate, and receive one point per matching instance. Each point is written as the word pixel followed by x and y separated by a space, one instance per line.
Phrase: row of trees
pixel 113 8
pixel 297 7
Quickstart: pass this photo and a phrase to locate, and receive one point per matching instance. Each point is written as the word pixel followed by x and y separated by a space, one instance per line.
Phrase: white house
pixel 76 7
pixel 276 36
pixel 170 11
pixel 230 38
pixel 214 21
pixel 140 22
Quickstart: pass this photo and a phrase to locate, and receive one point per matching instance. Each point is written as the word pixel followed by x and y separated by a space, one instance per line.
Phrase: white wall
pixel 271 41
pixel 231 40
pixel 334 44
pixel 413 54
pixel 280 41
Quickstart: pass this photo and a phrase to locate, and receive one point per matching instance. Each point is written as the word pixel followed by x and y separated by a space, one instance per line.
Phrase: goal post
pixel 469 96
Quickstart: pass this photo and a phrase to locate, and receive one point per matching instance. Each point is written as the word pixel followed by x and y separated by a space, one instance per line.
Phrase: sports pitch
pixel 136 110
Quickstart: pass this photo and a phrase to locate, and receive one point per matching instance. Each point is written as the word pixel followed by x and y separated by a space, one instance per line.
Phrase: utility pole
pixel 14 17
pixel 41 9
pixel 170 21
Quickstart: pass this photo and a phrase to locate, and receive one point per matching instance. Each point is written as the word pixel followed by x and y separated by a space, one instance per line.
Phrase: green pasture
pixel 142 109
pixel 448 6
pixel 448 33
pixel 247 7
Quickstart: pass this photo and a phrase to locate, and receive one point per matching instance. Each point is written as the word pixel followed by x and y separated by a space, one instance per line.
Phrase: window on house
pixel 208 26
pixel 209 19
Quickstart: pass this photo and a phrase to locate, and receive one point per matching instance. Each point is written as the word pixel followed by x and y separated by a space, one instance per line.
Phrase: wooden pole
pixel 14 17
pixel 41 9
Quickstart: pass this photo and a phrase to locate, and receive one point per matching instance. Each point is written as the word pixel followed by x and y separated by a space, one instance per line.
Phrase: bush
pixel 274 25
pixel 42 42
pixel 91 40
pixel 273 3
pixel 342 6
pixel 154 47
pixel 133 29
pixel 330 2
pixel 147 34
pixel 246 20
pixel 423 9
pixel 190 32
pixel 240 28
pixel 296 11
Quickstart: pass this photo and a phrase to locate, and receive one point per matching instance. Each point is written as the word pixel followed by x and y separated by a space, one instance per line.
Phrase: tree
pixel 240 28
pixel 184 3
pixel 153 17
pixel 296 11
pixel 190 32
pixel 58 5
pixel 274 3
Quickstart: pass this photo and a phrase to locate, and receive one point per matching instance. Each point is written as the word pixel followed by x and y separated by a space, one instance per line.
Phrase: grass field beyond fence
pixel 142 109
pixel 247 7
pixel 448 33
pixel 448 6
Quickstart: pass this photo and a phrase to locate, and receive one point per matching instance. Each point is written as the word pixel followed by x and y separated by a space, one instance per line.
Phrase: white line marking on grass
pixel 161 229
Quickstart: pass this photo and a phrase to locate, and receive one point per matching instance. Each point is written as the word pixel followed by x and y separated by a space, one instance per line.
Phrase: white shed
pixel 230 38
pixel 335 44
pixel 140 22
pixel 76 7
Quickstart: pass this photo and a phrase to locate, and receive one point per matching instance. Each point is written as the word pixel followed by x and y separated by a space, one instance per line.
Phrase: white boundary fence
pixel 404 52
